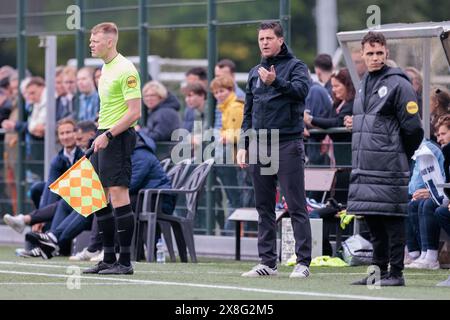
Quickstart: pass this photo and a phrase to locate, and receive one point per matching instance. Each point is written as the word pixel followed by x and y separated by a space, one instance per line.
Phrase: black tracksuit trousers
pixel 291 177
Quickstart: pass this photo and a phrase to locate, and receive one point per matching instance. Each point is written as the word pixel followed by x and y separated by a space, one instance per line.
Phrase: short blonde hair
pixel 226 82
pixel 156 86
pixel 106 27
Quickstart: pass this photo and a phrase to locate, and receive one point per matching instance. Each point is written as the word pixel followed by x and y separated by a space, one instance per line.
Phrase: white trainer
pixel 261 270
pixel 98 257
pixel 300 271
pixel 84 255
pixel 424 264
pixel 15 222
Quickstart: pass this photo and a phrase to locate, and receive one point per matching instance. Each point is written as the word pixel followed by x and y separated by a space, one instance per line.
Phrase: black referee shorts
pixel 113 164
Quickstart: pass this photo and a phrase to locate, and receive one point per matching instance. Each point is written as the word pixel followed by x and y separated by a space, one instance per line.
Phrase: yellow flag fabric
pixel 80 187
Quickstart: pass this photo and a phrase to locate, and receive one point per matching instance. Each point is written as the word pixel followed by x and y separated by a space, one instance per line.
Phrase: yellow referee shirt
pixel 118 83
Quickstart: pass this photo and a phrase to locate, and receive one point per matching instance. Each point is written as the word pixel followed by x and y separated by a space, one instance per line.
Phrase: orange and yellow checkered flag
pixel 80 187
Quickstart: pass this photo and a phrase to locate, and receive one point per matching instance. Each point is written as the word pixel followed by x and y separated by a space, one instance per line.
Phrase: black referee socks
pixel 125 228
pixel 106 228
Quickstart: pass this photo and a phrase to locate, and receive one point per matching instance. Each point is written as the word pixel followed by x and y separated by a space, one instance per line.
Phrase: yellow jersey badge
pixel 412 107
pixel 131 82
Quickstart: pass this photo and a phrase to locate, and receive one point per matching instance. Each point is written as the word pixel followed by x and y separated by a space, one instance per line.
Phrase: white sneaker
pixel 84 255
pixel 98 257
pixel 261 270
pixel 15 222
pixel 424 264
pixel 300 271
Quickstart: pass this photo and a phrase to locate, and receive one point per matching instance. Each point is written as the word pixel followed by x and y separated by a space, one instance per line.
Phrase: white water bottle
pixel 160 253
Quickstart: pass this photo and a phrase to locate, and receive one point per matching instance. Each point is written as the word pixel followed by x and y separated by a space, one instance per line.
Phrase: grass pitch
pixel 210 279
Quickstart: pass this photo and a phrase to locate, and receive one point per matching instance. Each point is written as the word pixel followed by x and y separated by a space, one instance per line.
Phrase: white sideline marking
pixel 65 284
pixel 198 285
pixel 76 263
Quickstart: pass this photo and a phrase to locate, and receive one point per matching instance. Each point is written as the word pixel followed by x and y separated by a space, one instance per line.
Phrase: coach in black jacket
pixel 275 97
pixel 386 132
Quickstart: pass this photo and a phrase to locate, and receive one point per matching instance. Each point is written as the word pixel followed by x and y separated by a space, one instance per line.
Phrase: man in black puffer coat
pixel 386 132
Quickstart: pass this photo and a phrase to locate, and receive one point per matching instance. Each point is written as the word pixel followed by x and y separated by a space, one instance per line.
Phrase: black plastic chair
pixel 177 174
pixel 183 226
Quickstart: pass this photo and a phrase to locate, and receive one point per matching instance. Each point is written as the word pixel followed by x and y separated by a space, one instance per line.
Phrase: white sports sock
pixel 414 254
pixel 432 255
pixel 422 255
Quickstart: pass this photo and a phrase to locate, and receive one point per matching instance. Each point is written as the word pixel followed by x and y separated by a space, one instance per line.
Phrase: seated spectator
pixel 163 118
pixel 423 226
pixel 439 106
pixel 146 173
pixel 417 237
pixel 84 134
pixel 442 213
pixel 89 101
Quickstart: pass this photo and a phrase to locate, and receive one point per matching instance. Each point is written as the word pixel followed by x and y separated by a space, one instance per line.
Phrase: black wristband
pixel 109 135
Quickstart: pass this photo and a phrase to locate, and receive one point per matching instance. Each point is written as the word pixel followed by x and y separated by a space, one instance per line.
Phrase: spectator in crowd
pixel 10 144
pixel 195 97
pixel 360 66
pixel 36 95
pixel 318 103
pixel 62 104
pixel 386 132
pixel 36 219
pixel 439 106
pixel 323 67
pixel 232 113
pixel 417 82
pixel 163 118
pixel 422 226
pixel 89 100
pixel 442 213
pixel 97 74
pixel 275 96
pixel 70 85
pixel 343 98
pixel 226 67
pixel 66 134
pixel 196 74
pixel 146 173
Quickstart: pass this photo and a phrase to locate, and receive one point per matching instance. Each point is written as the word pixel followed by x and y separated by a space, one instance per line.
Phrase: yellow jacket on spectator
pixel 232 114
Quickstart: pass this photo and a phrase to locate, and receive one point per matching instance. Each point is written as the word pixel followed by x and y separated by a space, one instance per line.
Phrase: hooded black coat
pixel 386 132
pixel 281 104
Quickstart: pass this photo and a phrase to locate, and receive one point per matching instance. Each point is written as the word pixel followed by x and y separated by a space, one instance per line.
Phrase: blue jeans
pixel 443 217
pixel 413 241
pixel 62 211
pixel 428 225
pixel 72 226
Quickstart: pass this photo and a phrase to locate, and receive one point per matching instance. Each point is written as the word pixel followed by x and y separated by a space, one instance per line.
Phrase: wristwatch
pixel 109 135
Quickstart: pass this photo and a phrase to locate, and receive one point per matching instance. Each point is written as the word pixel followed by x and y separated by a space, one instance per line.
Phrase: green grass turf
pixel 210 279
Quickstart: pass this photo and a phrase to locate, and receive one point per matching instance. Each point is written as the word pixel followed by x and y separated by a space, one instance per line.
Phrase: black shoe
pixel 118 268
pixel 393 281
pixel 99 267
pixel 370 279
pixel 49 248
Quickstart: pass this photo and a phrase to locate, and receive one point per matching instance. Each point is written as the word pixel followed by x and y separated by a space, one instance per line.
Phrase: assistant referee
pixel 120 108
